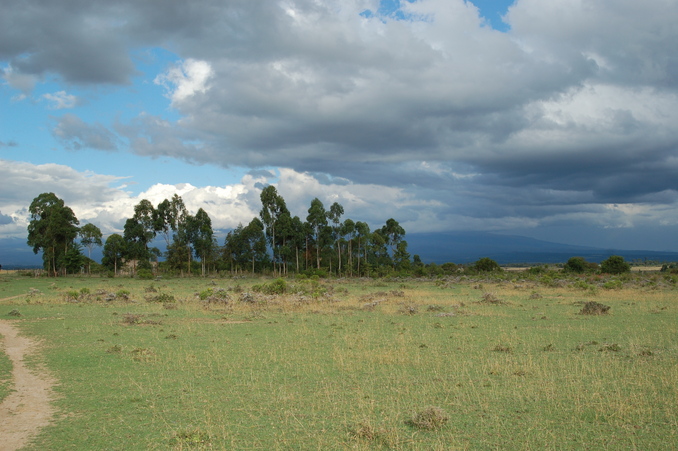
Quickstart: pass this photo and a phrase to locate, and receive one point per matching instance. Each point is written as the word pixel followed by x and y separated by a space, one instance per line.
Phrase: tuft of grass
pixel 594 308
pixel 490 298
pixel 192 438
pixel 431 418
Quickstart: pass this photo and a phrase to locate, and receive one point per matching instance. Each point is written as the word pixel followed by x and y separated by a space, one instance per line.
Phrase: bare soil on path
pixel 27 409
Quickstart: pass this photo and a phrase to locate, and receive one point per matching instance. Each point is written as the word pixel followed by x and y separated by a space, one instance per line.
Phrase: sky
pixel 550 119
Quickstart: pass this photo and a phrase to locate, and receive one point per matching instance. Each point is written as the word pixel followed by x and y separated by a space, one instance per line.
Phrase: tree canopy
pixel 52 229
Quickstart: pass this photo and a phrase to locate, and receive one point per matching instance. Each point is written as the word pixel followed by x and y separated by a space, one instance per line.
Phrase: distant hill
pixel 456 247
pixel 16 254
pixel 467 247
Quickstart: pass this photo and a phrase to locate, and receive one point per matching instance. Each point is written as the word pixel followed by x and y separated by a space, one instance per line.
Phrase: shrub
pixel 576 265
pixel 486 264
pixel 449 268
pixel 615 265
pixel 144 274
pixel 278 286
pixel 613 285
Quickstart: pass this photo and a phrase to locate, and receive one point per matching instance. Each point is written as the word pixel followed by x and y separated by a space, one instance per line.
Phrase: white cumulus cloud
pixel 186 79
pixel 61 100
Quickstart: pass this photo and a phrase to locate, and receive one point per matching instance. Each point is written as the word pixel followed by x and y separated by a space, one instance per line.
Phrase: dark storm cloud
pixel 573 109
pixel 4 219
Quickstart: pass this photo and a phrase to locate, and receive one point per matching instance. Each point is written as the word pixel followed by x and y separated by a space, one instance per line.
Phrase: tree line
pixel 275 241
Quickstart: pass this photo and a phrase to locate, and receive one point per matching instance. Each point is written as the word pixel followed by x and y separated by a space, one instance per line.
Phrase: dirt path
pixel 27 409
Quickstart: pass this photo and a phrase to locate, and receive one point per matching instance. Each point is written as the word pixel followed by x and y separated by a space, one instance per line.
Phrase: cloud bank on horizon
pixel 419 110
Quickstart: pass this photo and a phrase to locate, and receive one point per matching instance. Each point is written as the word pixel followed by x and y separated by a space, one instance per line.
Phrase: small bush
pixel 613 285
pixel 615 265
pixel 430 418
pixel 486 264
pixel 579 265
pixel 145 274
pixel 278 286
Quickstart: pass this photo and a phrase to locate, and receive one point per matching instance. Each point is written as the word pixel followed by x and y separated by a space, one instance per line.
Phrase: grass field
pixel 345 364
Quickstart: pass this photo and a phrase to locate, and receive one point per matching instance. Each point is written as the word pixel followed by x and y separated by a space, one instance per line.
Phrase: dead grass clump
pixel 246 296
pixel 369 306
pixel 131 318
pixel 594 308
pixel 431 418
pixel 490 298
pixel 503 348
pixel 364 431
pixel 143 355
pixel 115 349
pixel 409 309
pixel 610 347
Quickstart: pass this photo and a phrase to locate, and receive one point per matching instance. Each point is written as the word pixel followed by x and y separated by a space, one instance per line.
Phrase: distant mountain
pixel 456 247
pixel 467 247
pixel 16 254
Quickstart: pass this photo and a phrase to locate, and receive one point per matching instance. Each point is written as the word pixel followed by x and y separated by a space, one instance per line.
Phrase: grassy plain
pixel 346 364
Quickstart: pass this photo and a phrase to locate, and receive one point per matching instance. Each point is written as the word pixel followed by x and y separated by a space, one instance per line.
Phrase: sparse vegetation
pixel 503 359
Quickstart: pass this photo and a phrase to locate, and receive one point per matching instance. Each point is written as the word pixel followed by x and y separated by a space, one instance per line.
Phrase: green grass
pixel 5 375
pixel 333 373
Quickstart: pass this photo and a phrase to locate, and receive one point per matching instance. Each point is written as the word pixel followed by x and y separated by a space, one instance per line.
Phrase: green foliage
pixel 73 259
pixel 579 265
pixel 615 264
pixel 162 298
pixel 52 229
pixel 671 268
pixel 145 274
pixel 614 284
pixel 449 268
pixel 486 264
pixel 114 251
pixel 278 286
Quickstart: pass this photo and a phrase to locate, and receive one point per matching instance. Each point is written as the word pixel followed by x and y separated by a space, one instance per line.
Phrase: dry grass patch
pixel 431 418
